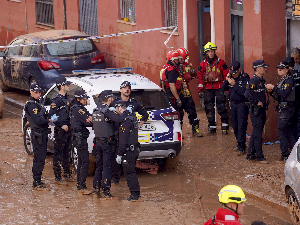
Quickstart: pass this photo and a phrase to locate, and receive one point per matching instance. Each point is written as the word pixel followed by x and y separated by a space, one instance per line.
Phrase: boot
pixel 38 186
pixel 82 189
pixel 195 129
pixel 69 177
pixel 134 196
pixel 224 128
pixel 241 149
pixel 106 194
pixel 212 129
pixel 60 181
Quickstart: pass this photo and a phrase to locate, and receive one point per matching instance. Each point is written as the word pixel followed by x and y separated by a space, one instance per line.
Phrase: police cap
pixel 80 94
pixel 35 87
pixel 290 61
pixel 61 81
pixel 124 84
pixel 234 67
pixel 259 63
pixel 120 103
pixel 282 65
pixel 106 93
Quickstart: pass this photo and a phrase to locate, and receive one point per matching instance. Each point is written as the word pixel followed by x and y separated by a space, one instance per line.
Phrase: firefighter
pixel 232 198
pixel 284 93
pixel 211 74
pixel 188 104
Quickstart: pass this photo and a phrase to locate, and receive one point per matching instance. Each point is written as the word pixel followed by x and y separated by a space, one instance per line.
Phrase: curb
pixel 14 103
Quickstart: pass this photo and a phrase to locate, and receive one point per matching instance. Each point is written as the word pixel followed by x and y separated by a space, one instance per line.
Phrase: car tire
pixel 74 158
pixel 27 139
pixel 169 163
pixel 3 86
pixel 293 207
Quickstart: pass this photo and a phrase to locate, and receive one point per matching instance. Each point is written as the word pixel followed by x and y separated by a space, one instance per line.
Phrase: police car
pixel 160 136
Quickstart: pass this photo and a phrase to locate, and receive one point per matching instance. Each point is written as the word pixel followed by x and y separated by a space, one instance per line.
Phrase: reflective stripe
pixel 225 124
pixel 200 85
pixel 212 126
pixel 229 217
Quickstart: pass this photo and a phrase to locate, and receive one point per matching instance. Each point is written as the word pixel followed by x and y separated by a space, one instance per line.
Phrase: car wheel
pixel 27 139
pixel 169 163
pixel 293 207
pixel 3 86
pixel 74 158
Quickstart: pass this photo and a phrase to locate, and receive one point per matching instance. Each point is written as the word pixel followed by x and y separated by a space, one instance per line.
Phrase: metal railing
pixel 170 13
pixel 44 12
pixel 127 10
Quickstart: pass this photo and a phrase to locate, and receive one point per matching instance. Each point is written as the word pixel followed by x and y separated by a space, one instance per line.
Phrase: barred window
pixel 127 10
pixel 44 12
pixel 171 13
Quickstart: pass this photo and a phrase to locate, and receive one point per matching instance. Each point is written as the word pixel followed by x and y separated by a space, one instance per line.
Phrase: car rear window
pixel 71 48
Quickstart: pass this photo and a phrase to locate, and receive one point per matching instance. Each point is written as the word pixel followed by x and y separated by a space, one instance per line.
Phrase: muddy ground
pixel 186 195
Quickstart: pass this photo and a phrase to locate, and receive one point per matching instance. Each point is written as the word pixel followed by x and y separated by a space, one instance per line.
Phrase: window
pixel 11 51
pixel 127 10
pixel 171 13
pixel 31 51
pixel 44 12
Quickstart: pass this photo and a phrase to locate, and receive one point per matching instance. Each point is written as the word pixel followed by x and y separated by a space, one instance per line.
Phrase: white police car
pixel 160 136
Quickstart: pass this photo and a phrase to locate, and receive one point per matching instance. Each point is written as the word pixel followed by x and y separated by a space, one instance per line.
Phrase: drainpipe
pixel 65 14
pixel 185 42
pixel 212 24
pixel 26 15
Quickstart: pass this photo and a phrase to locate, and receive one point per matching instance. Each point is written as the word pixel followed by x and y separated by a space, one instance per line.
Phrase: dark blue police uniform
pixel 284 93
pixel 238 108
pixel 255 93
pixel 38 120
pixel 80 133
pixel 129 150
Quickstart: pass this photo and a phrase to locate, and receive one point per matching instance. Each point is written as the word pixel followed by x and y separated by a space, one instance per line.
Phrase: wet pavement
pixel 186 195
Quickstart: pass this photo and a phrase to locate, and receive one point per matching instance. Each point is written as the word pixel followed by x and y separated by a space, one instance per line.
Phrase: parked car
pixel 1 103
pixel 160 136
pixel 292 183
pixel 22 65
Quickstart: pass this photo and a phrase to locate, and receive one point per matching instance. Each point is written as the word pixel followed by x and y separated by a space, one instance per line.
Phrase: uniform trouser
pixel 173 103
pixel 285 130
pixel 239 121
pixel 83 161
pixel 128 163
pixel 188 105
pixel 39 145
pixel 258 123
pixel 209 102
pixel 62 148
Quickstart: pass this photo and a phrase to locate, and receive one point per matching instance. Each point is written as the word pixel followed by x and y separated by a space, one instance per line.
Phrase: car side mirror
pixel 2 54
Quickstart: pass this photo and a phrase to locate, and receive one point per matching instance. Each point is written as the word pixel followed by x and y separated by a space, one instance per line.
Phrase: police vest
pixel 213 72
pixel 291 96
pixel 43 111
pixel 164 81
pixel 103 127
pixel 133 138
pixel 63 111
pixel 76 125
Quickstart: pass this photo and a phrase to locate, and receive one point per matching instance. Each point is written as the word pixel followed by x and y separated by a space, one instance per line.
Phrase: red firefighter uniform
pixel 224 217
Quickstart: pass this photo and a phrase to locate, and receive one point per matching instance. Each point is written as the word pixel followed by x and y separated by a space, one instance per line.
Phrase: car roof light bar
pixel 108 70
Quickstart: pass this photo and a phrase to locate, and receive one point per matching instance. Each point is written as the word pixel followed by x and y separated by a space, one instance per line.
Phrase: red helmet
pixel 183 52
pixel 172 55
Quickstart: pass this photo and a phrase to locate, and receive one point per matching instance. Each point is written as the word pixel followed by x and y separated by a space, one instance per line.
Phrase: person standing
pixel 128 150
pixel 188 104
pixel 80 120
pixel 236 81
pixel 125 90
pixel 38 120
pixel 295 53
pixel 256 95
pixel 104 119
pixel 284 93
pixel 232 198
pixel 211 74
pixel 62 132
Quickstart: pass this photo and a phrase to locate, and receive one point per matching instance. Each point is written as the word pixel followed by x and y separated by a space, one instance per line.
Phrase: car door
pixel 11 62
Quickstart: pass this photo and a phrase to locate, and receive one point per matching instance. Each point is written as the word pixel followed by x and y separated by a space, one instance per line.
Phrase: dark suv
pixel 44 63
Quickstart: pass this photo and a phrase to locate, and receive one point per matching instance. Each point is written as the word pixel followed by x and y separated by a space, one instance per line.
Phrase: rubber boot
pixel 212 129
pixel 224 128
pixel 195 129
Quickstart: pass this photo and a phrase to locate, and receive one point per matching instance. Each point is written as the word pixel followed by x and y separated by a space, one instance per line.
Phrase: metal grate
pixel 44 12
pixel 89 17
pixel 127 10
pixel 170 13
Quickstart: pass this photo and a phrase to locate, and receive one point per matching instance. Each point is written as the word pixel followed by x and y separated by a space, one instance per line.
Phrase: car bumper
pixel 160 150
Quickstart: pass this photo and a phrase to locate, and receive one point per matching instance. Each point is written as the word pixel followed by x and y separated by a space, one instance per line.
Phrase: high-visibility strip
pixel 97 37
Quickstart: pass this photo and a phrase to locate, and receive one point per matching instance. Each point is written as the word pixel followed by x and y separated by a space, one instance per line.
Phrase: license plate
pixel 148 127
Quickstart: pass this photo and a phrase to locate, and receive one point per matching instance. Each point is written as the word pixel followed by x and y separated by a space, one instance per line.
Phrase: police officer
pixel 80 120
pixel 125 90
pixel 236 81
pixel 38 121
pixel 62 131
pixel 128 150
pixel 211 74
pixel 256 95
pixel 295 53
pixel 104 119
pixel 284 93
pixel 188 73
pixel 296 75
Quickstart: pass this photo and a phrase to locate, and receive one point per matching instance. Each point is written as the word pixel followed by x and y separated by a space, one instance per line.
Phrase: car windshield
pixel 71 48
pixel 151 100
